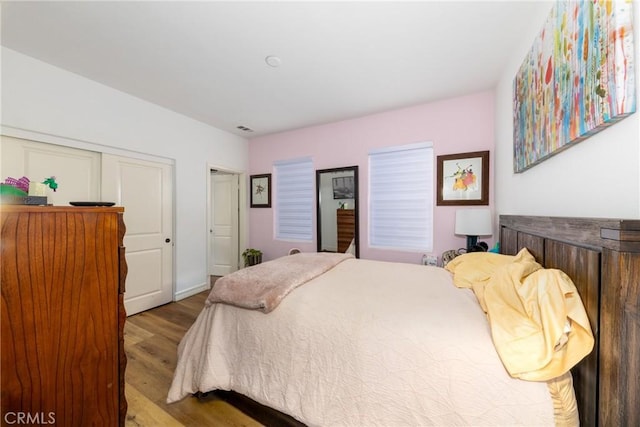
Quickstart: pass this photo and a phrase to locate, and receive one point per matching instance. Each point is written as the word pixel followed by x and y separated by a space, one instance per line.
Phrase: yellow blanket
pixel 538 323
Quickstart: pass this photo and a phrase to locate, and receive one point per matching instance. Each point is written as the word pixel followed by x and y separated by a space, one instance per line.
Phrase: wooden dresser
pixel 346 225
pixel 63 274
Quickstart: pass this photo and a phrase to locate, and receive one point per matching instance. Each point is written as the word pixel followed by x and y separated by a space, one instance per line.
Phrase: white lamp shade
pixel 474 222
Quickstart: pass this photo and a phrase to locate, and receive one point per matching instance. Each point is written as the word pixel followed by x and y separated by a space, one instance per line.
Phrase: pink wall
pixel 454 125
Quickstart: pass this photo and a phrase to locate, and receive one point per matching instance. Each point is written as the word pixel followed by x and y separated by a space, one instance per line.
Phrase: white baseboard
pixel 191 291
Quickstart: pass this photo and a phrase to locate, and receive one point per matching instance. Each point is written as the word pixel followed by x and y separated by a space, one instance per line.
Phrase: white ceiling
pixel 339 60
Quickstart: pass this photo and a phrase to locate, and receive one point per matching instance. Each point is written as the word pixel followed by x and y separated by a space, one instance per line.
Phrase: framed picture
pixel 260 186
pixel 343 187
pixel 463 179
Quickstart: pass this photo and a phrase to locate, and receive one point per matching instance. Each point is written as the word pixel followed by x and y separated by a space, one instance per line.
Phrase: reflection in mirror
pixel 337 216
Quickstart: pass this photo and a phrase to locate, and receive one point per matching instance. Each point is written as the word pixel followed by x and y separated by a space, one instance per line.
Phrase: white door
pixel 144 188
pixel 223 241
pixel 77 172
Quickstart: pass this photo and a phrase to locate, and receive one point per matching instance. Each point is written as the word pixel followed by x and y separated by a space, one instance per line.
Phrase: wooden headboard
pixel 602 257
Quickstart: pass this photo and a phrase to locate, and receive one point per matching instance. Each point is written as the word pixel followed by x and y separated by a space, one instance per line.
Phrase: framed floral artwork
pixel 463 179
pixel 260 186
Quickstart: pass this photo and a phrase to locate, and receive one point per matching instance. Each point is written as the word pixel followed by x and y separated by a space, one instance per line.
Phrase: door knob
pixel 167 240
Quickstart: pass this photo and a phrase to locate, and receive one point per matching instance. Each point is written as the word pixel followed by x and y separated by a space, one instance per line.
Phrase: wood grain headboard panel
pixel 602 257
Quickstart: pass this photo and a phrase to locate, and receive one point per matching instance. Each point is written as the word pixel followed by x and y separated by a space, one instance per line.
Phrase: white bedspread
pixel 368 343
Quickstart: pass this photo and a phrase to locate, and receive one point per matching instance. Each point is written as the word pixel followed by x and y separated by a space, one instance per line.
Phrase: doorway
pixel 224 222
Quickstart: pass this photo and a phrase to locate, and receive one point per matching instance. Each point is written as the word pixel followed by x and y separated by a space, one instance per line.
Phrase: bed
pixel 239 349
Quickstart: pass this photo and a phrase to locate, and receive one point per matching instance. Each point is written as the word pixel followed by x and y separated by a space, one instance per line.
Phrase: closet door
pixel 77 171
pixel 145 190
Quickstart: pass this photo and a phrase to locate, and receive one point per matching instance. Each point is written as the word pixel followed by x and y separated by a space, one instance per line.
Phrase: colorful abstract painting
pixel 577 79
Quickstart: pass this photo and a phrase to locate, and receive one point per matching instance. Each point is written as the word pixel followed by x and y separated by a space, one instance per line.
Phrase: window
pixel 294 199
pixel 401 197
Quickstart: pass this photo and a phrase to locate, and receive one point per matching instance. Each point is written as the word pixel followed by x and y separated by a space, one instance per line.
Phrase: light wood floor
pixel 151 339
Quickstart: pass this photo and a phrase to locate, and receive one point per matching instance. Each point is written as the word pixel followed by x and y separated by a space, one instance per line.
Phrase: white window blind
pixel 294 199
pixel 401 197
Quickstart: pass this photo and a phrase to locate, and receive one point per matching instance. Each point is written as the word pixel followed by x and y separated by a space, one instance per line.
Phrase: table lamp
pixel 473 223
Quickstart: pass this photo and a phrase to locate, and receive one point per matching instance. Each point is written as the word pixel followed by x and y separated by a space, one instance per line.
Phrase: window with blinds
pixel 401 197
pixel 294 199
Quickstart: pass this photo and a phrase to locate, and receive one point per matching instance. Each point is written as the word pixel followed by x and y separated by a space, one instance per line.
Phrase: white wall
pixel 40 98
pixel 598 177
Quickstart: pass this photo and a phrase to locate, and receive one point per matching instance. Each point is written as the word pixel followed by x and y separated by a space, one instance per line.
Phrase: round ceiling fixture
pixel 273 61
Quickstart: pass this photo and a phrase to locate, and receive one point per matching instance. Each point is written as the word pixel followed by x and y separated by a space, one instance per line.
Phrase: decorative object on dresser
pixel 23 191
pixel 346 224
pixel 63 279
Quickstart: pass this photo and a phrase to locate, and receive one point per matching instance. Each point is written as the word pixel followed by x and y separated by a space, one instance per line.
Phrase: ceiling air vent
pixel 244 128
